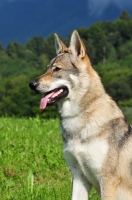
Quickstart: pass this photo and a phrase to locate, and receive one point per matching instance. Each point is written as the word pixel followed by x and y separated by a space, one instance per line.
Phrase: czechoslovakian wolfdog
pixel 97 138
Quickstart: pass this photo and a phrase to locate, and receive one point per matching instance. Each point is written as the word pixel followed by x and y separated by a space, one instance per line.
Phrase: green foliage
pixel 37 45
pixel 127 109
pixel 109 46
pixel 1 48
pixel 13 49
pixel 125 15
pixel 125 49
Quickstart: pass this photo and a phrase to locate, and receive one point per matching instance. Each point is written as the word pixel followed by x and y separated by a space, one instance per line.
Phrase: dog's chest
pixel 81 152
pixel 71 127
pixel 87 157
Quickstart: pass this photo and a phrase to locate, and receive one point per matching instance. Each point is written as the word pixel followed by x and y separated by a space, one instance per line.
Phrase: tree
pixel 125 49
pixel 13 49
pixel 99 42
pixel 37 45
pixel 1 47
pixel 120 90
pixel 125 15
pixel 50 47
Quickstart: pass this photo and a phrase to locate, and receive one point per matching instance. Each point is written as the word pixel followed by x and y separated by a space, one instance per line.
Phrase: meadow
pixel 32 166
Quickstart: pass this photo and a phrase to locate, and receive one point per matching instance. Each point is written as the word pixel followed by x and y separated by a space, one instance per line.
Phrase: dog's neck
pixel 68 109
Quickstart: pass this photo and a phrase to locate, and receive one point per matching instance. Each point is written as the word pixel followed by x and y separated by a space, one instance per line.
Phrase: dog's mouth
pixel 52 97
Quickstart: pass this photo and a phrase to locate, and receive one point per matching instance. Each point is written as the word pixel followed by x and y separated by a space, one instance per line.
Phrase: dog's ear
pixel 59 46
pixel 77 46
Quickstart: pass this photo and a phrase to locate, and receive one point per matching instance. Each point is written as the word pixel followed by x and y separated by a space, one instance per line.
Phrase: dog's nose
pixel 33 85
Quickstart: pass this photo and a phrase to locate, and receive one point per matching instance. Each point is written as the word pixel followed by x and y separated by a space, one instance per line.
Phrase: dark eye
pixel 56 69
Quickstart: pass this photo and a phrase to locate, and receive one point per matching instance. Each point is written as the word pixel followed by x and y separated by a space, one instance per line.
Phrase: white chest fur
pixel 84 150
pixel 87 157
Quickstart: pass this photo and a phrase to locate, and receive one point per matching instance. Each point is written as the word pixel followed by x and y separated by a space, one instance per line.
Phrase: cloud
pixel 98 6
pixel 123 4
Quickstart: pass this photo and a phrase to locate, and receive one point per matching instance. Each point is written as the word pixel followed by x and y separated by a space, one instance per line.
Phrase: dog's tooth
pixel 61 90
pixel 57 93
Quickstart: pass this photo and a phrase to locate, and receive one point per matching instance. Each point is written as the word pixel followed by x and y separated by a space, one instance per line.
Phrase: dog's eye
pixel 56 69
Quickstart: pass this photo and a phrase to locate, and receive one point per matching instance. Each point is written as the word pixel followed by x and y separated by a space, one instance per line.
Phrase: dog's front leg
pixel 108 188
pixel 80 187
pixel 80 184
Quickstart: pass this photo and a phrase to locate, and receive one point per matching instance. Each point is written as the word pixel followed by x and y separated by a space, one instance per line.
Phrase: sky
pixel 21 21
pixel 94 6
pixel 100 3
pixel 98 6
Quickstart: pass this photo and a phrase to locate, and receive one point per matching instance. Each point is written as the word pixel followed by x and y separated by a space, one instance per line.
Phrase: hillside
pixel 109 46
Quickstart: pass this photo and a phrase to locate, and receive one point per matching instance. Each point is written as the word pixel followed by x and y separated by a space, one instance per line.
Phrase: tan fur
pixel 47 78
pixel 97 138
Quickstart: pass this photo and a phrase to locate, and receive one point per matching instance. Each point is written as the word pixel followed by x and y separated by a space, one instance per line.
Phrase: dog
pixel 97 138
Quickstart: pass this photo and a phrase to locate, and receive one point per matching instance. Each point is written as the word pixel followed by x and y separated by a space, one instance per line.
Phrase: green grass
pixel 32 166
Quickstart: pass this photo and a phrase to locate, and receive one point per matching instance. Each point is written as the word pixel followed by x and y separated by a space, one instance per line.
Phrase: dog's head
pixel 65 73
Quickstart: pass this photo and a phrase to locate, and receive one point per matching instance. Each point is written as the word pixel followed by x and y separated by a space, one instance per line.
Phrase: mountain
pixel 22 19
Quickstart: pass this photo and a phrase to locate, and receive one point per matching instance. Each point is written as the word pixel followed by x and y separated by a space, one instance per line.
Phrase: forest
pixel 109 46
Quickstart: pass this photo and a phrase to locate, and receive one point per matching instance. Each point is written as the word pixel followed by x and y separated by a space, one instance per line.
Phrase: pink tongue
pixel 44 100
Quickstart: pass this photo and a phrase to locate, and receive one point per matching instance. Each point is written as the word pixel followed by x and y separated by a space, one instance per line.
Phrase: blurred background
pixel 27 45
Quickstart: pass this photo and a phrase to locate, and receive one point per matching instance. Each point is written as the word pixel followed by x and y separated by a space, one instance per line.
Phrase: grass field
pixel 31 161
